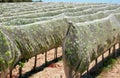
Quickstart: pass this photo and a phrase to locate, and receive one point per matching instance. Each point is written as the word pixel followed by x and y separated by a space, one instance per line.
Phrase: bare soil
pixel 113 72
pixel 56 70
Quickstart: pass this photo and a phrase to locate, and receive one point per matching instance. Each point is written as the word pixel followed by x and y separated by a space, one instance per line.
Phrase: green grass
pixel 107 65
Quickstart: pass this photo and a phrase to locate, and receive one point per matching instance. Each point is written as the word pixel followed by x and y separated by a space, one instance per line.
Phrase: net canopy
pixel 28 29
pixel 84 42
pixel 24 42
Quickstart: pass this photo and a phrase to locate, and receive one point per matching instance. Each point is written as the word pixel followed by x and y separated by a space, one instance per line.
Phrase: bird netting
pixel 84 42
pixel 24 42
pixel 28 29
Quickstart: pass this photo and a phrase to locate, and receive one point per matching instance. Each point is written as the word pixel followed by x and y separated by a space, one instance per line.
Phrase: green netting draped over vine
pixel 24 42
pixel 84 42
pixel 28 29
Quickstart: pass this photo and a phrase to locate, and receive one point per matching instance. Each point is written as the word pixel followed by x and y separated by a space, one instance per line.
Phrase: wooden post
pixel 114 54
pixel 80 75
pixel 102 58
pixel 96 67
pixel 45 58
pixel 119 45
pixel 20 72
pixel 55 54
pixel 35 62
pixel 109 51
pixel 88 71
pixel 10 73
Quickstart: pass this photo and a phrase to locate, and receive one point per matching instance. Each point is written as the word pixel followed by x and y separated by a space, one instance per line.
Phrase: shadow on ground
pixel 96 70
pixel 92 73
pixel 40 68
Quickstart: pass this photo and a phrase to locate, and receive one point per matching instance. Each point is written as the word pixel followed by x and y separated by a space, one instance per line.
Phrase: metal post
pixel 88 71
pixel 119 45
pixel 96 67
pixel 45 58
pixel 80 75
pixel 35 62
pixel 109 51
pixel 20 72
pixel 114 54
pixel 10 73
pixel 55 54
pixel 103 58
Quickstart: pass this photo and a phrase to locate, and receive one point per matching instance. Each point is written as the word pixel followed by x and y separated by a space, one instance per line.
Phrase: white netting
pixel 84 42
pixel 28 29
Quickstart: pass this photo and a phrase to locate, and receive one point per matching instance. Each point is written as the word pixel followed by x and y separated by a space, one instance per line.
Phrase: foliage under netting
pixel 84 42
pixel 24 42
pixel 28 29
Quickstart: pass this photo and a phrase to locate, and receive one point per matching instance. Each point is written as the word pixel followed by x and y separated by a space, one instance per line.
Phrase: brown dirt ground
pixel 56 70
pixel 113 72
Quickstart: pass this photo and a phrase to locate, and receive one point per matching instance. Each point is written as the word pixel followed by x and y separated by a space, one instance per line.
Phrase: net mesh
pixel 84 42
pixel 39 27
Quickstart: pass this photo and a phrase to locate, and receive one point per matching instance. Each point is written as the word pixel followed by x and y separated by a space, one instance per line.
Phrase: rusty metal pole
pixel 96 67
pixel 109 51
pixel 88 71
pixel 119 45
pixel 10 73
pixel 35 62
pixel 20 72
pixel 102 58
pixel 114 53
pixel 55 54
pixel 45 58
